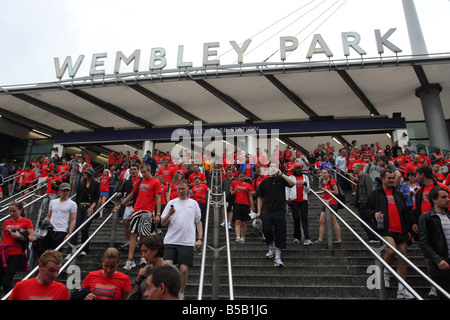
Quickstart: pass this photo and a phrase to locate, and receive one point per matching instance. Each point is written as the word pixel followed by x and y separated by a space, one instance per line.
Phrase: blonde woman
pixel 107 283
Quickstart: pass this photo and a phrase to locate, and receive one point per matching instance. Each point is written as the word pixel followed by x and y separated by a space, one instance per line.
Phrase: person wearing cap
pixel 62 214
pixel 88 195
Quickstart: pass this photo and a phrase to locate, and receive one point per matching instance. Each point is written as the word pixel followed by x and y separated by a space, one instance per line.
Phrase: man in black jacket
pixel 434 237
pixel 388 204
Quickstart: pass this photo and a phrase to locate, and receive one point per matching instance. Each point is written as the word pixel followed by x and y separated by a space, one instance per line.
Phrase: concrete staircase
pixel 310 272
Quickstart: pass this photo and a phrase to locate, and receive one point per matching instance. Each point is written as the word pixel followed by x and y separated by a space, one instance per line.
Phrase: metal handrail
pixel 227 246
pixel 67 240
pixel 395 250
pixel 227 239
pixel 25 196
pixel 377 256
pixel 205 239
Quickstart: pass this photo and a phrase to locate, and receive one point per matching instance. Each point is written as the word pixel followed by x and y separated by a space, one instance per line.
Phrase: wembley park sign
pixel 158 60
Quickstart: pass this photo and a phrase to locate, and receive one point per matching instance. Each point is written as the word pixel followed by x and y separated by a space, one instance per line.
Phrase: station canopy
pixel 325 92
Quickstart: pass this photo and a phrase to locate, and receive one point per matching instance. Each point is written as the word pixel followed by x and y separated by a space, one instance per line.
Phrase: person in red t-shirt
pixel 16 233
pixel 44 286
pixel 413 165
pixel 53 182
pixel 196 173
pixel 172 188
pixel 27 179
pixel 388 206
pixel 147 204
pixel 63 170
pixel 199 192
pixel 297 199
pixel 104 189
pixel 166 171
pixel 111 159
pixel 424 159
pixel 437 174
pixel 330 185
pixel 289 166
pixel 243 203
pixel 44 170
pixel 108 283
pixel 424 177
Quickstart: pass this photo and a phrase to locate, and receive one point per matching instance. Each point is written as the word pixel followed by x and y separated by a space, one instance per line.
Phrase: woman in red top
pixel 330 185
pixel 14 240
pixel 349 162
pixel 199 193
pixel 242 203
pixel 104 189
pixel 108 283
pixel 173 193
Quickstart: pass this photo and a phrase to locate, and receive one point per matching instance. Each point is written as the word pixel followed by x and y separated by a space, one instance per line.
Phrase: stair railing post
pixel 329 231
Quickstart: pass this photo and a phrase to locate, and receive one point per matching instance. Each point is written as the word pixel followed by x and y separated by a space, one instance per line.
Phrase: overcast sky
pixel 35 32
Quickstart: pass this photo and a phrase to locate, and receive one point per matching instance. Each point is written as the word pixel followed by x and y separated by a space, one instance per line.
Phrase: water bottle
pixel 380 223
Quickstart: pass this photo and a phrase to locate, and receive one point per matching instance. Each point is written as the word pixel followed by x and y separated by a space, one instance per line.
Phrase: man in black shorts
pixel 387 204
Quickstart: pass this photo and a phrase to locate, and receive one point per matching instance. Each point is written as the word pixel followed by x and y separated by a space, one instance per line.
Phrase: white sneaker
pixel 242 240
pixel 277 262
pixel 404 295
pixel 142 261
pixel 387 283
pixel 432 292
pixel 69 255
pixel 295 240
pixel 307 242
pixel 238 239
pixel 83 253
pixel 129 265
pixel 271 253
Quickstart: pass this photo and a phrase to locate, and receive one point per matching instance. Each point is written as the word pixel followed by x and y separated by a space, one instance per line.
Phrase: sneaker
pixel 277 262
pixel 271 253
pixel 404 295
pixel 295 240
pixel 69 255
pixel 387 283
pixel 222 224
pixel 432 292
pixel 125 245
pixel 307 242
pixel 129 265
pixel 83 253
pixel 238 239
pixel 181 296
pixel 242 240
pixel 142 261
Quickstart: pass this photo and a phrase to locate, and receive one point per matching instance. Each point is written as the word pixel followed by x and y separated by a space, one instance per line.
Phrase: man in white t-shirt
pixel 182 215
pixel 62 213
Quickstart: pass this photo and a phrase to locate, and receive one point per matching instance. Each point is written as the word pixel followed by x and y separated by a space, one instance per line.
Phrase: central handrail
pixel 227 239
pixel 205 239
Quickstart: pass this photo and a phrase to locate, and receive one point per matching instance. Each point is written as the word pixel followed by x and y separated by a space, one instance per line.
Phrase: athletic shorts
pixel 104 194
pixel 179 254
pixel 142 223
pixel 127 213
pixel 240 212
pixel 398 237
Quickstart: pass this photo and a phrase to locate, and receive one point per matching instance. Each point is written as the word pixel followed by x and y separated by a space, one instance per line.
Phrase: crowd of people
pixel 398 192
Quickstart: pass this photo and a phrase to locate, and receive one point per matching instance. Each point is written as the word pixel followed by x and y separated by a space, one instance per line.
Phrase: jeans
pixel 300 215
pixel 82 216
pixel 362 215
